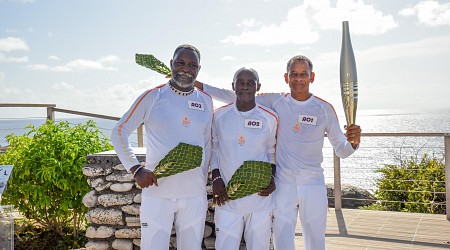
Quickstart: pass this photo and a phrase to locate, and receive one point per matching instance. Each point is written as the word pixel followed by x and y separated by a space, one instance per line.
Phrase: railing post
pixel 140 135
pixel 50 114
pixel 447 175
pixel 337 182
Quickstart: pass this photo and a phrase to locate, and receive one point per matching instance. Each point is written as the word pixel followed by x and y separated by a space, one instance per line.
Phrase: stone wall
pixel 114 202
pixel 115 198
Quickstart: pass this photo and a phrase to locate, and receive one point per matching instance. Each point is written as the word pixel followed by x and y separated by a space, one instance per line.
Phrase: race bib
pixel 304 119
pixel 196 105
pixel 250 123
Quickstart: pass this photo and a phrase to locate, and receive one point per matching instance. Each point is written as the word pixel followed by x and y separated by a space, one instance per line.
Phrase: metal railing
pixel 446 136
pixel 51 109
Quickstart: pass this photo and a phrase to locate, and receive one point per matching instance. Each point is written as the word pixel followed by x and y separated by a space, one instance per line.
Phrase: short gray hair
pixel 299 58
pixel 187 46
pixel 248 70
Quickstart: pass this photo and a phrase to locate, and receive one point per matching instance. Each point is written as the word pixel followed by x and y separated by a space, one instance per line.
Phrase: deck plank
pixel 367 229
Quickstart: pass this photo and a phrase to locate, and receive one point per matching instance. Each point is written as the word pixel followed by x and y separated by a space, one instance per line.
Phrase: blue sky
pixel 80 54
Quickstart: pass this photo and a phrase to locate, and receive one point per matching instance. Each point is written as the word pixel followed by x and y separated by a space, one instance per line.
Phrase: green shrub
pixel 47 183
pixel 412 186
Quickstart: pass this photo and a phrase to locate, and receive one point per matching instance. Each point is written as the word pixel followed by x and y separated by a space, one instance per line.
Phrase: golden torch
pixel 349 78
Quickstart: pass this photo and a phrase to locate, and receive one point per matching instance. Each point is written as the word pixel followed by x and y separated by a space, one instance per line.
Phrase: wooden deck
pixel 365 229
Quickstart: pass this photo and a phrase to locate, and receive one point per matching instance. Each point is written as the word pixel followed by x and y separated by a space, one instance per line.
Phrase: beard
pixel 183 80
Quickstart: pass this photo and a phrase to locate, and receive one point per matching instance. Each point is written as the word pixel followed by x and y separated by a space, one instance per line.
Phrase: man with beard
pixel 243 131
pixel 304 120
pixel 172 113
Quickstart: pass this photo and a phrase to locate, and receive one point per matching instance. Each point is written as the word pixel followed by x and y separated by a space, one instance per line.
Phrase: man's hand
pixel 269 189
pixel 198 85
pixel 219 192
pixel 353 134
pixel 145 178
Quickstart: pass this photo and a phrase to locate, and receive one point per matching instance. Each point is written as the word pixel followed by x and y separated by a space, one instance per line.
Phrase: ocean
pixel 358 169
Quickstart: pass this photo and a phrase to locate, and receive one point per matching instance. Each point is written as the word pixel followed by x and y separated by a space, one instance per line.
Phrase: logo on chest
pixel 241 140
pixel 186 122
pixel 251 123
pixel 310 120
pixel 196 105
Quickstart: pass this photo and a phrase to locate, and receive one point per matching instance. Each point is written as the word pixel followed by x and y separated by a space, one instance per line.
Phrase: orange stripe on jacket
pixel 129 115
pixel 328 104
pixel 276 119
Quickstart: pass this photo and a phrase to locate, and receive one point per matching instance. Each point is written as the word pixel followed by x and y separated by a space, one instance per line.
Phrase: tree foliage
pixel 413 185
pixel 47 183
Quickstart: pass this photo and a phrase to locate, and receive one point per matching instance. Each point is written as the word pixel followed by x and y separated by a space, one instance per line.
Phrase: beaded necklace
pixel 179 92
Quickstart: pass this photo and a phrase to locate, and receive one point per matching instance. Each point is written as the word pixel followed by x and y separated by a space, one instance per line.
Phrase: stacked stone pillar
pixel 114 202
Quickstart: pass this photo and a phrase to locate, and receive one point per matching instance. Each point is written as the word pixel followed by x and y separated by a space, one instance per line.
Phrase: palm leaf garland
pixel 182 158
pixel 151 62
pixel 249 178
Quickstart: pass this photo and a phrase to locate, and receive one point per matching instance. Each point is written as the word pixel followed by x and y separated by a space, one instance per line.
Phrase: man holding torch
pixel 304 119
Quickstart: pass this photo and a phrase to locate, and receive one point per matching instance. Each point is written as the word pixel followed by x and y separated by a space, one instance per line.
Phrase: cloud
pixel 13 43
pixel 248 23
pixel 228 58
pixel 79 65
pixel 62 86
pixel 2 76
pixel 417 49
pixel 11 31
pixel 43 67
pixel 4 58
pixel 109 59
pixel 303 23
pixel 385 53
pixel 53 58
pixel 8 92
pixel 430 13
pixel 83 65
pixel 364 18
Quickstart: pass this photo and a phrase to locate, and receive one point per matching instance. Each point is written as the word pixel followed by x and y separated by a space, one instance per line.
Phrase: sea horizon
pixel 359 169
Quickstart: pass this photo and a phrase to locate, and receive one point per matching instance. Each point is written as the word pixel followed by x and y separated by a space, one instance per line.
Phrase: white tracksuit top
pixel 302 126
pixel 243 136
pixel 169 119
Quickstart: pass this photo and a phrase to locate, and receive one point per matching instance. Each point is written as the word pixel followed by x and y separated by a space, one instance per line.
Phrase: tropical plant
pixel 47 183
pixel 413 185
pixel 153 63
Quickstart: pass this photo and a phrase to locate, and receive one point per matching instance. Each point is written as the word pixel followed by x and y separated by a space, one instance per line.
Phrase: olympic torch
pixel 349 78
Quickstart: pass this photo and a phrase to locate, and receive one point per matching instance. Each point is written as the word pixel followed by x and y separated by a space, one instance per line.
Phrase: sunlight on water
pixel 359 168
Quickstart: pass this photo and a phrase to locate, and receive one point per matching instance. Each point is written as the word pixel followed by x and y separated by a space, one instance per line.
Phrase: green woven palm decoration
pixel 182 158
pixel 151 62
pixel 249 178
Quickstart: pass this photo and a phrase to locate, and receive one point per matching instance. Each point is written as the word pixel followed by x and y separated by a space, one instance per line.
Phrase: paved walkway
pixel 365 229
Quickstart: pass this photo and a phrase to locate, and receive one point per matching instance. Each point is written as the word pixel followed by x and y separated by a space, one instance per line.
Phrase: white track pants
pixel 230 226
pixel 308 201
pixel 158 215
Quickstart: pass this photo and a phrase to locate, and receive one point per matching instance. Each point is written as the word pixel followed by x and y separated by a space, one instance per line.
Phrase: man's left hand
pixel 269 189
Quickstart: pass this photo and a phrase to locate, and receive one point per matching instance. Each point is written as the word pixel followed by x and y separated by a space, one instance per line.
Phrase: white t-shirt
pixel 169 119
pixel 243 136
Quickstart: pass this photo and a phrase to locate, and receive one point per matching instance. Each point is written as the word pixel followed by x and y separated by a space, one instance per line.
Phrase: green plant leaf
pixel 151 62
pixel 249 178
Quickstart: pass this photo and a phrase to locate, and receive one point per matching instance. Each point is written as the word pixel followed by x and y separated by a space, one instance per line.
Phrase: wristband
pixel 137 170
pixel 215 179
